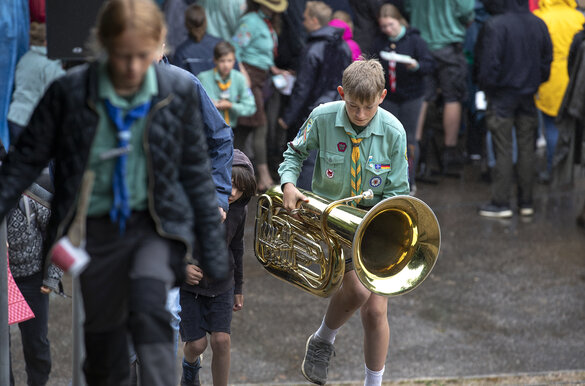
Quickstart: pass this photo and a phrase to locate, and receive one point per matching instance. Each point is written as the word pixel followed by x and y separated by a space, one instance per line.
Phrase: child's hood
pixel 338 23
pixel 240 159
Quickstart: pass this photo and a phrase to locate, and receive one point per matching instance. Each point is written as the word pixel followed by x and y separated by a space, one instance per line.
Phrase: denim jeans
pixel 551 134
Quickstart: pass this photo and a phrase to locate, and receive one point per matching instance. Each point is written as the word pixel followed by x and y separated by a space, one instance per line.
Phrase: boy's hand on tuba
pixel 292 197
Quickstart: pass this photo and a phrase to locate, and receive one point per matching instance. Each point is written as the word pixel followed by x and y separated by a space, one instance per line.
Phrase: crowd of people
pixel 192 102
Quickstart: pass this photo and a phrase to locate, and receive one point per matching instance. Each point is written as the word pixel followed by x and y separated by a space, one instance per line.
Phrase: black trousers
pixel 505 112
pixel 124 292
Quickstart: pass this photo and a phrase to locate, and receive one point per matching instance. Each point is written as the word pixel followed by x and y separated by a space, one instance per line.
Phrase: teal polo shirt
pixel 106 139
pixel 382 154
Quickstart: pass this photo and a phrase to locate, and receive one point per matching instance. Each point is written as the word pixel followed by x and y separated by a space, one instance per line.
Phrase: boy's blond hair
pixel 363 80
pixel 319 10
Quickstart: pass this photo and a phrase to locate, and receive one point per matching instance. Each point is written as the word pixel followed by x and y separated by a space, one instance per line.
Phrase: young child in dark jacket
pixel 206 306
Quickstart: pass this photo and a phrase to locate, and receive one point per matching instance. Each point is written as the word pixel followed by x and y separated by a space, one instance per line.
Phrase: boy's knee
pixel 375 313
pixel 220 341
pixel 196 347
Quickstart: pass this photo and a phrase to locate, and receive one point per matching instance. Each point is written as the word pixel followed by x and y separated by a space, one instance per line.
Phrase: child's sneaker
pixel 316 362
pixel 190 375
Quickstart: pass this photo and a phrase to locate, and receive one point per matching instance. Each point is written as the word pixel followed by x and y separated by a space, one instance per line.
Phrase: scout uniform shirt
pixel 382 154
pixel 237 92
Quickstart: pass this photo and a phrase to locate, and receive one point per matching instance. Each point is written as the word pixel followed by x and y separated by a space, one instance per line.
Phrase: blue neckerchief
pixel 121 207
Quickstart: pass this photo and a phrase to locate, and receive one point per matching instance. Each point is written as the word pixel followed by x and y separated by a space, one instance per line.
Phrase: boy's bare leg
pixel 376 331
pixel 350 297
pixel 193 349
pixel 220 363
pixel 451 122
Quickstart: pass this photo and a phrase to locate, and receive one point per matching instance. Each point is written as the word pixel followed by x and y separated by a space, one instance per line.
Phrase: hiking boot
pixel 190 376
pixel 495 211
pixel 316 361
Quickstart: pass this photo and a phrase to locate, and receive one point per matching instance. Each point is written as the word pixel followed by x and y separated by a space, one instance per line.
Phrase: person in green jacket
pixel 361 146
pixel 227 87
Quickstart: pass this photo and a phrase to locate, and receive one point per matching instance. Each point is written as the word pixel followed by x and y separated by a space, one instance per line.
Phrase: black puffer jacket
pixel 321 67
pixel 182 199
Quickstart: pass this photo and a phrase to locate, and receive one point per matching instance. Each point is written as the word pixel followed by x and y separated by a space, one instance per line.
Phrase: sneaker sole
pixel 503 214
pixel 303 364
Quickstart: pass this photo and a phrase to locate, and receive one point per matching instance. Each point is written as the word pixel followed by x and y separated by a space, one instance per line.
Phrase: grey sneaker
pixel 317 355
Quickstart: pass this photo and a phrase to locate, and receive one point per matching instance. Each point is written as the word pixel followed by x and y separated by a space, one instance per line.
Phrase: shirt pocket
pixel 376 175
pixel 332 168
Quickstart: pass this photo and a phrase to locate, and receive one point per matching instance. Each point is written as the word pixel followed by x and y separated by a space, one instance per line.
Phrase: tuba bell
pixel 394 245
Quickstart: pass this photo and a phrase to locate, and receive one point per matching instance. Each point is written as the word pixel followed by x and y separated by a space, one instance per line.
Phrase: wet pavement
pixel 504 304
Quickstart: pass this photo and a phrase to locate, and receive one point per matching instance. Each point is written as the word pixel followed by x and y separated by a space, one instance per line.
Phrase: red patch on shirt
pixel 341 146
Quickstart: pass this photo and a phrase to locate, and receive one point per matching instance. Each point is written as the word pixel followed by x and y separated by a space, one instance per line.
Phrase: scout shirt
pixel 106 139
pixel 238 93
pixel 255 41
pixel 382 154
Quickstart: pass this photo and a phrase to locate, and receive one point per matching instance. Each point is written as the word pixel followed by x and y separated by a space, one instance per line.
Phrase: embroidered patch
pixel 341 146
pixel 375 181
pixel 329 173
pixel 301 137
pixel 382 167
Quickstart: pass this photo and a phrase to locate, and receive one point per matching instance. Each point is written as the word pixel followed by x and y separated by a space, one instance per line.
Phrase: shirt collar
pixel 39 49
pixel 148 89
pixel 217 77
pixel 373 128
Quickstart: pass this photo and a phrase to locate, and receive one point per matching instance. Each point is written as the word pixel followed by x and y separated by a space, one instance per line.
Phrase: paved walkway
pixel 504 305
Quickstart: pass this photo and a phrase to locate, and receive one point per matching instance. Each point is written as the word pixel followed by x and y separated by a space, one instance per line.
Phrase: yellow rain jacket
pixel 563 21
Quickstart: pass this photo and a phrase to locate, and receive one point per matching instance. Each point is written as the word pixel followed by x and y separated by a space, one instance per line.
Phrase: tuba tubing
pixel 394 245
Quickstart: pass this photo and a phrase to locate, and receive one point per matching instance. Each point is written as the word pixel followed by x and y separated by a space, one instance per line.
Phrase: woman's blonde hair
pixel 363 80
pixel 117 16
pixel 389 10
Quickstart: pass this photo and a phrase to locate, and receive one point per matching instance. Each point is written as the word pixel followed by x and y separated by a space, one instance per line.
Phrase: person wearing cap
pixel 256 44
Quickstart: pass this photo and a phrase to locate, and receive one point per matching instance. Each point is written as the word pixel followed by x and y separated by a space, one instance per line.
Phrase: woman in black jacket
pixel 137 126
pixel 405 75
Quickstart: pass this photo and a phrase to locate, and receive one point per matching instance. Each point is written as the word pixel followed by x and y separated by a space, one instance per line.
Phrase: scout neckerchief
pixel 272 33
pixel 223 87
pixel 120 210
pixel 356 168
pixel 392 63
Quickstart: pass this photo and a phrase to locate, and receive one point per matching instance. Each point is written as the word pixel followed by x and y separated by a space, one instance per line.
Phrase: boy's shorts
pixel 450 76
pixel 204 314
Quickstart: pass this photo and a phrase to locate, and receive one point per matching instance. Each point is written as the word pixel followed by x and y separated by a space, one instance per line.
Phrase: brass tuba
pixel 394 245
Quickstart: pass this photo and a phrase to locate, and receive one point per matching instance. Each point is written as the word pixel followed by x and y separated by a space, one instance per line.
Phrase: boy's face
pixel 360 113
pixel 235 196
pixel 129 57
pixel 225 64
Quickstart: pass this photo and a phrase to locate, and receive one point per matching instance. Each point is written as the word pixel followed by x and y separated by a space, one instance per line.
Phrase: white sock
pixel 325 333
pixel 374 378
